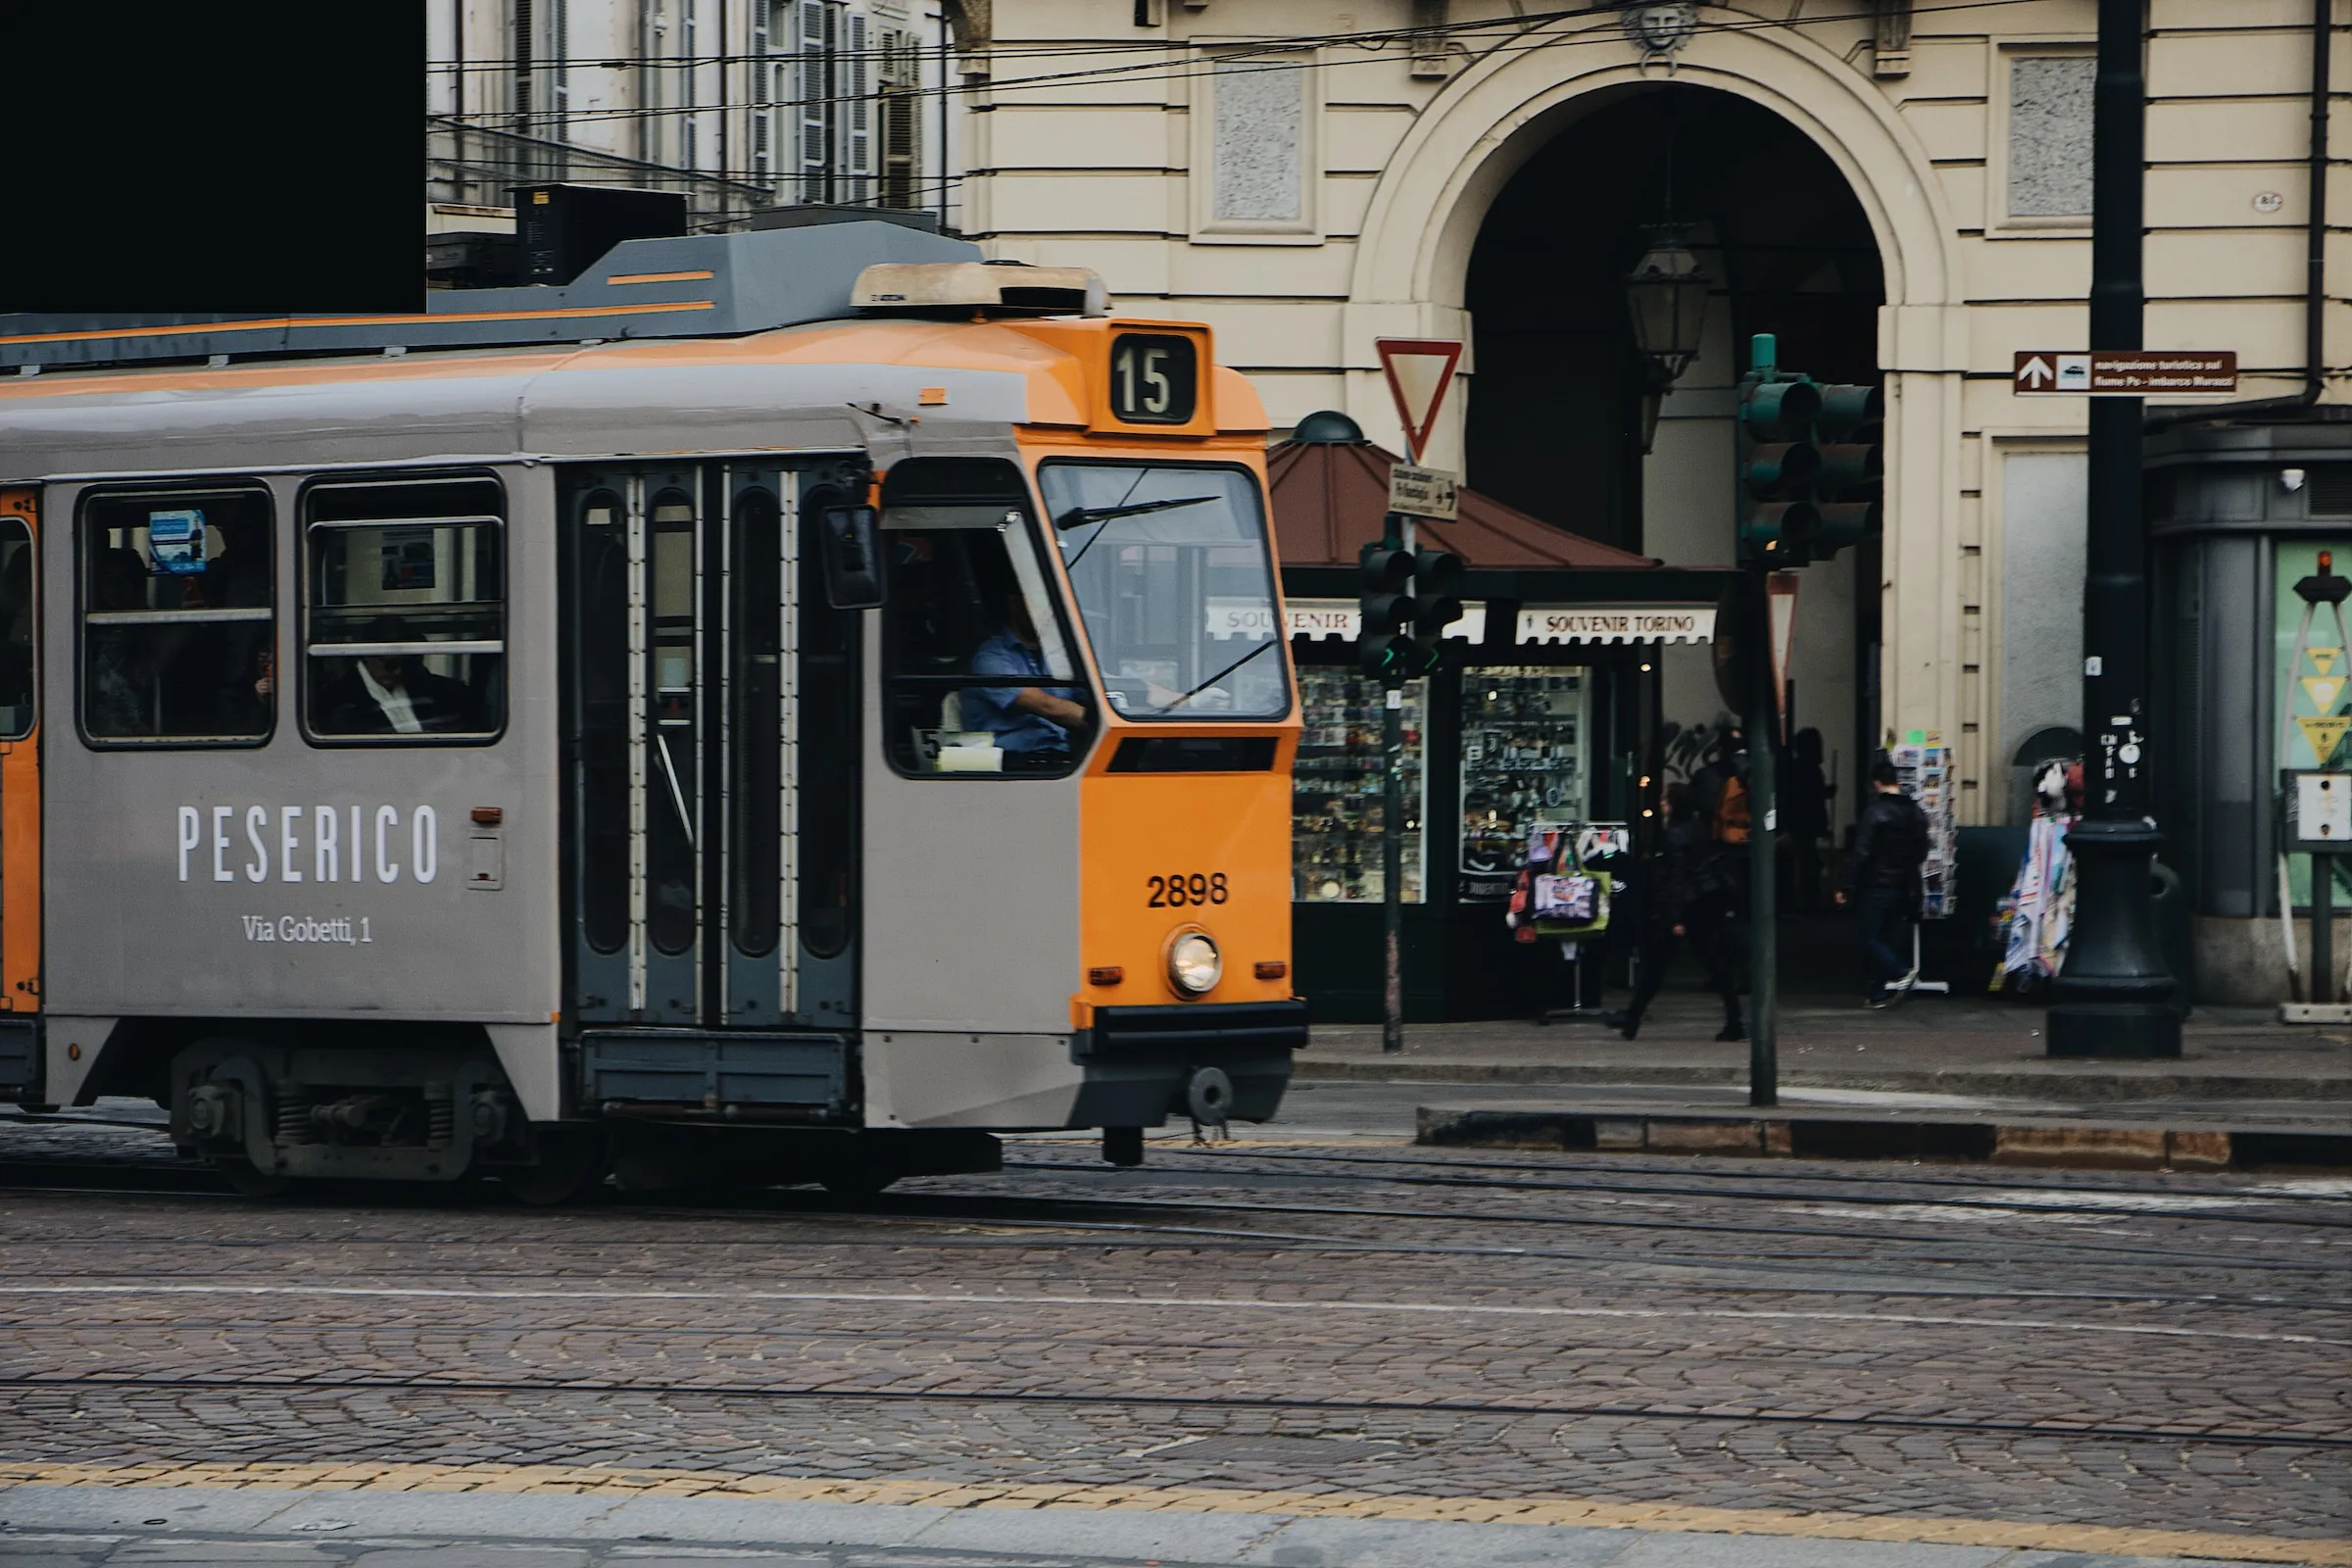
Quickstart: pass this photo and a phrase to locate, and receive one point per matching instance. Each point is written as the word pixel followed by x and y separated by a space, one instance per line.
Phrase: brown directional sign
pixel 2125 372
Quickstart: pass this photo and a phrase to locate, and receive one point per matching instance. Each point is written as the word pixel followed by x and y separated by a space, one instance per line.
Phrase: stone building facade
pixel 1899 191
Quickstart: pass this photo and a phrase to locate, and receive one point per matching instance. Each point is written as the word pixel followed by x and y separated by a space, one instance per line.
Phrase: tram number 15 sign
pixel 1154 377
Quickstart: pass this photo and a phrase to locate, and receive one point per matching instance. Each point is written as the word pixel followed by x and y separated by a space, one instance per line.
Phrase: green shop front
pixel 1544 713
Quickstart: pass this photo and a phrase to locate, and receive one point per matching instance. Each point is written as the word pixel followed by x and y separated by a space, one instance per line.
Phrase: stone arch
pixel 1413 252
pixel 1425 213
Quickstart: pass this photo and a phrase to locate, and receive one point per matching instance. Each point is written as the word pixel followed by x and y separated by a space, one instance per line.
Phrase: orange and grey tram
pixel 840 716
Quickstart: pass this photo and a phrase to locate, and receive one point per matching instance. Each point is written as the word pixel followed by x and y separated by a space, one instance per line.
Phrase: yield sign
pixel 1780 591
pixel 1420 372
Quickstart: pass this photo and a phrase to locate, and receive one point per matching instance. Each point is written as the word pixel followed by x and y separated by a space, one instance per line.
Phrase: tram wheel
pixel 571 1167
pixel 857 1185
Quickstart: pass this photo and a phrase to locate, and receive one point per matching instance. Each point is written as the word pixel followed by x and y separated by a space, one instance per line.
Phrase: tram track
pixel 2089 1430
pixel 2239 1209
pixel 1008 1211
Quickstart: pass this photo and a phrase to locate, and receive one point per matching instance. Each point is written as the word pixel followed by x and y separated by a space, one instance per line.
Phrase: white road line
pixel 913 1298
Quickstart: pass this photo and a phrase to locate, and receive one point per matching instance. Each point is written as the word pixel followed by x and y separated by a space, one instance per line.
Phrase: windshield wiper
pixel 1080 517
pixel 1222 673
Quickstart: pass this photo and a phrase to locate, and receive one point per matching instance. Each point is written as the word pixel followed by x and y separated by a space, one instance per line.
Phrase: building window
pixel 178 616
pixel 404 612
pixel 2049 136
pixel 1337 791
pixel 899 116
pixel 833 96
pixel 19 620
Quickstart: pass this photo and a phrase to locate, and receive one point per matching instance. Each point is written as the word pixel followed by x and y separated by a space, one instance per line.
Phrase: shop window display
pixel 1523 734
pixel 1336 798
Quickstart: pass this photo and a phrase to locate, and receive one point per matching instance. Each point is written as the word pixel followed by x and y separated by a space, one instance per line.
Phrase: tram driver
pixel 1032 724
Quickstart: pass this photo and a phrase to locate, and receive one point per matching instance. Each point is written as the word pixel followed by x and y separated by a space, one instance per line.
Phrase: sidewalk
pixel 1978 1049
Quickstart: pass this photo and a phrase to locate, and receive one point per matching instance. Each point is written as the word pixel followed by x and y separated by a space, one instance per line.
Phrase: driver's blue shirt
pixel 990 708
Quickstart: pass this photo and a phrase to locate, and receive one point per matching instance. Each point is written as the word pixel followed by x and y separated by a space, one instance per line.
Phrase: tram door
pixel 19 793
pixel 711 722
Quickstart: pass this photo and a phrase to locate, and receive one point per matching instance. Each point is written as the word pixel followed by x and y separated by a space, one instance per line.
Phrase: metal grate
pixel 2331 491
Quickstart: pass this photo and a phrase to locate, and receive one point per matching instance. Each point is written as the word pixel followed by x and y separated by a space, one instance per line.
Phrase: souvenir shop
pixel 1532 733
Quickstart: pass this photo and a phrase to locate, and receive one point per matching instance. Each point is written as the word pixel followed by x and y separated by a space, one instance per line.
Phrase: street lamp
pixel 1666 295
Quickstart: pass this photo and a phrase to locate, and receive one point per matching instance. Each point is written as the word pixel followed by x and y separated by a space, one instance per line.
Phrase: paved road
pixel 1326 1333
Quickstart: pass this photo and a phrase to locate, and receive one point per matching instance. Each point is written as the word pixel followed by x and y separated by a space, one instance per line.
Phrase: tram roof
pixel 836 385
pixel 701 343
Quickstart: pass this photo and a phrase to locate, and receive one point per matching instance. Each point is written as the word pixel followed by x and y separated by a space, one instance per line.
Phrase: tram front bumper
pixel 1142 1062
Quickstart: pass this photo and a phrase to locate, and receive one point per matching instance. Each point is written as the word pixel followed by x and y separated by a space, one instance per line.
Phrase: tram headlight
pixel 1194 964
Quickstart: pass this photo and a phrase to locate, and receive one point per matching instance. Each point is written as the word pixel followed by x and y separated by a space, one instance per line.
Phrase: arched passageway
pixel 1554 419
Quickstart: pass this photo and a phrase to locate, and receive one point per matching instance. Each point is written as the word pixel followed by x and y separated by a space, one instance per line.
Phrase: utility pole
pixel 2114 996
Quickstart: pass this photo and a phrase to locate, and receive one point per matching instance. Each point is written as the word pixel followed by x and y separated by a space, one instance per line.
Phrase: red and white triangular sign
pixel 1781 594
pixel 1420 372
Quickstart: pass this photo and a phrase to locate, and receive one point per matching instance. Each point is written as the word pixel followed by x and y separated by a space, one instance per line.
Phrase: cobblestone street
pixel 1350 1330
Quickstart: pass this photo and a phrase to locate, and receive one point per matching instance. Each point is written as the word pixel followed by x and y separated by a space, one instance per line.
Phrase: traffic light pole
pixel 1392 879
pixel 1763 824
pixel 2113 997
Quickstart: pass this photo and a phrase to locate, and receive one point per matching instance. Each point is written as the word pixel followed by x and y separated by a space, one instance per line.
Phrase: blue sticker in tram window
pixel 175 542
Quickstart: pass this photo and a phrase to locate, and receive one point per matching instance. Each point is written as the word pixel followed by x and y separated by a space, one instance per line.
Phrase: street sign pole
pixel 2113 997
pixel 1392 846
pixel 1419 373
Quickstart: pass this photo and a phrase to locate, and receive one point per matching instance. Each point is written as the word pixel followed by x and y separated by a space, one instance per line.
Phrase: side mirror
pixel 853 553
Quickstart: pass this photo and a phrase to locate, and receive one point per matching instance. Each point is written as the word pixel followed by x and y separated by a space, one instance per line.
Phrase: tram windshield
pixel 1174 585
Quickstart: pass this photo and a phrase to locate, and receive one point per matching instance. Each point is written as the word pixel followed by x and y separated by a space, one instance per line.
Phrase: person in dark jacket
pixel 1891 845
pixel 394 693
pixel 1688 898
pixel 1804 803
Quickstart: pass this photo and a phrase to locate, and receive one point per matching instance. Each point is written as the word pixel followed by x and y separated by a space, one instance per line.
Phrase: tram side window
pixel 404 612
pixel 979 677
pixel 178 616
pixel 16 623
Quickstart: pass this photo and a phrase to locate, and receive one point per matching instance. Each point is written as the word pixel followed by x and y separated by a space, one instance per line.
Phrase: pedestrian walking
pixel 1804 805
pixel 1891 845
pixel 1688 894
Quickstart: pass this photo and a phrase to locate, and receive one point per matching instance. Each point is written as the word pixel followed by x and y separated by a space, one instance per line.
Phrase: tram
pixel 785 707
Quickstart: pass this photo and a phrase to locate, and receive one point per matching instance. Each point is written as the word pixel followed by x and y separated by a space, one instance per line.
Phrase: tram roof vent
pixel 992 288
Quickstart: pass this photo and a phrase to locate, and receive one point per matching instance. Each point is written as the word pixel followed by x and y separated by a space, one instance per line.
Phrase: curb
pixel 2076 1086
pixel 2072 1144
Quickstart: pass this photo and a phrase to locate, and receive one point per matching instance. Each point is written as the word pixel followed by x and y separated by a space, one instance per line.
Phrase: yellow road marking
pixel 1589 1512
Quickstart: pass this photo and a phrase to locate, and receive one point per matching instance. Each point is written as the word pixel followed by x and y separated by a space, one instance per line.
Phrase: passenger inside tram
pixel 391 692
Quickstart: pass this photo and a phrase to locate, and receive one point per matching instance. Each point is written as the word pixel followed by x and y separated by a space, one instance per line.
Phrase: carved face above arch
pixel 1661 29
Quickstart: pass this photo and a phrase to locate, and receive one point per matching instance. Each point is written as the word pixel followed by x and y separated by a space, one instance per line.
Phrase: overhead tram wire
pixel 1370 43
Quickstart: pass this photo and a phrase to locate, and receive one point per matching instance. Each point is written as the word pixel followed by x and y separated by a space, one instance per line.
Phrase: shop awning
pixel 1553 586
pixel 1329 499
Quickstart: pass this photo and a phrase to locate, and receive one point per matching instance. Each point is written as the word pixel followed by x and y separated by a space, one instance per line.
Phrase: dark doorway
pixel 1555 407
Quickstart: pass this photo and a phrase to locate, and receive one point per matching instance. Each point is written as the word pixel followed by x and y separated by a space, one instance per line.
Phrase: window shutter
pixel 901 110
pixel 857 86
pixel 763 82
pixel 816 101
